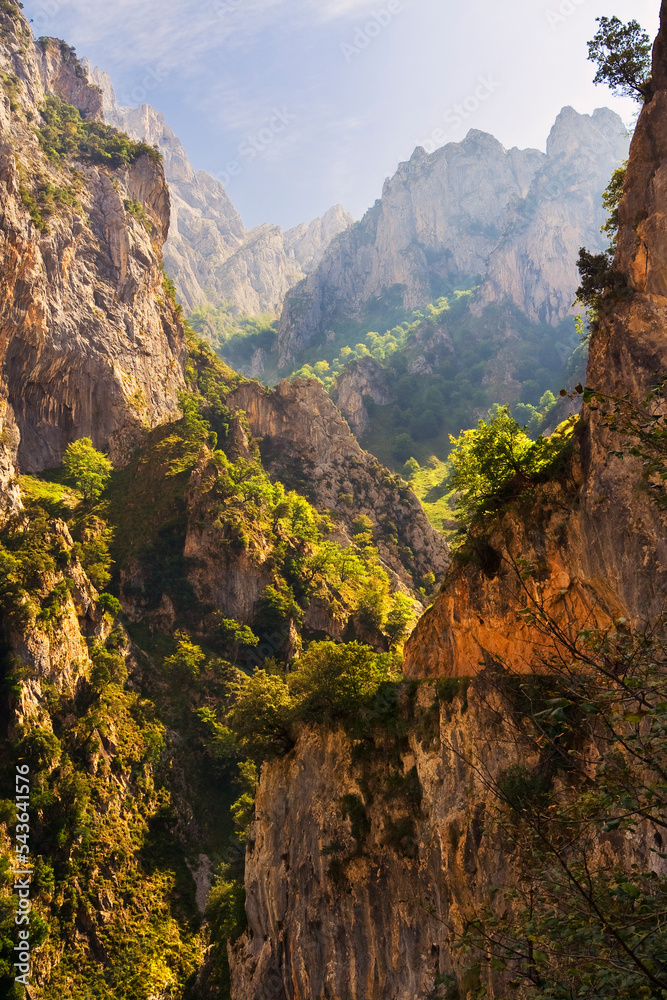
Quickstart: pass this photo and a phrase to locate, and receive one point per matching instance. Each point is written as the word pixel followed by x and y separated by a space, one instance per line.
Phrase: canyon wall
pixel 588 547
pixel 89 343
pixel 209 254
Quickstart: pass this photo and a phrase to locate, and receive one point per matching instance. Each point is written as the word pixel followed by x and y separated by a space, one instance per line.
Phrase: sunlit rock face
pixel 512 219
pixel 89 343
pixel 210 255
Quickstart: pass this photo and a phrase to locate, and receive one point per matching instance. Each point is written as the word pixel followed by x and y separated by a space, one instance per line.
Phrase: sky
pixel 297 105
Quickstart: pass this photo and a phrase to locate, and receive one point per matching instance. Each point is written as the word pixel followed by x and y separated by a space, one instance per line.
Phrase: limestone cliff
pixel 90 346
pixel 304 439
pixel 471 209
pixel 361 380
pixel 209 254
pixel 371 905
pixel 368 908
pixel 599 542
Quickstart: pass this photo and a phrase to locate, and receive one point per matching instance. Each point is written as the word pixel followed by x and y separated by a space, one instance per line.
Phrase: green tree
pixel 486 460
pixel 496 462
pixel 262 716
pixel 89 469
pixel 623 56
pixel 335 680
pixel 400 619
pixel 411 468
pixel 188 659
pixel 234 635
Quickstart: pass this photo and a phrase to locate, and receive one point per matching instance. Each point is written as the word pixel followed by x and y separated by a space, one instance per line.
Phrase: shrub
pixel 262 716
pixel 337 680
pixel 138 212
pixel 110 604
pixel 225 908
pixel 497 461
pixel 188 659
pixel 65 135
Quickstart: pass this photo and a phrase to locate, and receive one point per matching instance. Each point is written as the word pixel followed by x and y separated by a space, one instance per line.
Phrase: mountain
pixel 471 212
pixel 236 525
pixel 487 849
pixel 210 255
pixel 239 756
pixel 91 344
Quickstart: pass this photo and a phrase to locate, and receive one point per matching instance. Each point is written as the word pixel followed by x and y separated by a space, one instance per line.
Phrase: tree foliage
pixel 496 462
pixel 335 680
pixel 622 53
pixel 88 469
pixel 65 135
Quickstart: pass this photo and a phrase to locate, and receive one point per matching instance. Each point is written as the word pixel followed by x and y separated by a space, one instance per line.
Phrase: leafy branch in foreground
pixel 582 818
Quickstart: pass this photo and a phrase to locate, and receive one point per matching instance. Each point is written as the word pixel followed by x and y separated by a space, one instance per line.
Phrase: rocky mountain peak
pixel 516 217
pixel 210 255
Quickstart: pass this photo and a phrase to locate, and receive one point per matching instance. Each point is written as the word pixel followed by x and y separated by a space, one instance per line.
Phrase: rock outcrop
pixel 351 913
pixel 209 254
pixel 89 344
pixel 515 218
pixel 361 380
pixel 307 444
pixel 587 547
pixel 599 543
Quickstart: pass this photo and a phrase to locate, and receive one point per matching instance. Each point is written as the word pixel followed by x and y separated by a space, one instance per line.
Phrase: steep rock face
pixel 374 912
pixel 309 446
pixel 209 254
pixel 534 266
pixel 471 208
pixel 362 379
pixel 603 546
pixel 87 345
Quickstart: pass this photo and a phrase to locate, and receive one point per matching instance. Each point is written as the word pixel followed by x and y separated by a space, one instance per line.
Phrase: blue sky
pixel 299 104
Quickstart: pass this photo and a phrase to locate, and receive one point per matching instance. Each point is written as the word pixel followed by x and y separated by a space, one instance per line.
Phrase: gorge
pixel 285 739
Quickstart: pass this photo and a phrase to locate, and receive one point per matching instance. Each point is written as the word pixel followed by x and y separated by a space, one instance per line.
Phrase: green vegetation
pixel 497 462
pixel 138 212
pixel 623 56
pixel 65 136
pixel 451 354
pixel 44 200
pixel 578 921
pixel 601 284
pixel 237 338
pixel 375 345
pixel 86 468
pixel 622 53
